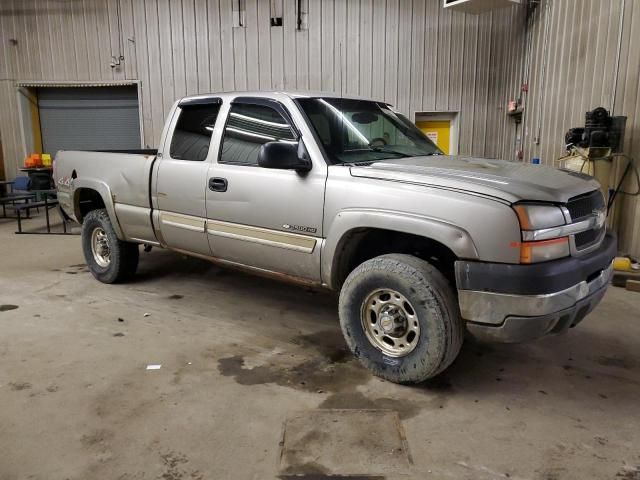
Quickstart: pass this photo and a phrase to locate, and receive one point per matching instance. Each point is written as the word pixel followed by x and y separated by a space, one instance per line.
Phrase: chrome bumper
pixel 515 318
pixel 489 307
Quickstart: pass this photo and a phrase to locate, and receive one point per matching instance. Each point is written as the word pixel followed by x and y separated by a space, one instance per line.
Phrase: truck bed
pixel 121 178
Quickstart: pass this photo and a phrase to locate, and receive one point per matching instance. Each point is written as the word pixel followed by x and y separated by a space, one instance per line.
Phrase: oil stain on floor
pixel 329 367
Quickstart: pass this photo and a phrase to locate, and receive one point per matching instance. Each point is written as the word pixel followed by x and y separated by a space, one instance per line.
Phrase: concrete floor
pixel 240 355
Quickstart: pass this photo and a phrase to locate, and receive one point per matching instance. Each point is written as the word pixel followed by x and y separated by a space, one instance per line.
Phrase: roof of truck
pixel 277 94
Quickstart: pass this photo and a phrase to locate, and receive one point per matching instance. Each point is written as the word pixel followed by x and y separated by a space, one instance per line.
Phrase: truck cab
pixel 210 195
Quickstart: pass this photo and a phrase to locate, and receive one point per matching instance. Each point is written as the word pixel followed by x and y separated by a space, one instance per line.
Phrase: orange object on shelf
pixel 33 161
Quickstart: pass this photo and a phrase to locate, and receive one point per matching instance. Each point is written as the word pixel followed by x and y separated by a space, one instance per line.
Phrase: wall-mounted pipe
pixel 616 71
pixel 543 77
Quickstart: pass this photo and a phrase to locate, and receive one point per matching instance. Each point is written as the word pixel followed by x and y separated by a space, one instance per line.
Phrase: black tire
pixel 124 255
pixel 436 308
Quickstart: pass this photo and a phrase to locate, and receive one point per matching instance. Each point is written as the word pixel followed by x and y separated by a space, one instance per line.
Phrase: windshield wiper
pixel 358 164
pixel 389 150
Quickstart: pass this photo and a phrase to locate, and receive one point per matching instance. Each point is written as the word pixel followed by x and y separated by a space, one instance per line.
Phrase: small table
pixel 13 198
pixel 46 203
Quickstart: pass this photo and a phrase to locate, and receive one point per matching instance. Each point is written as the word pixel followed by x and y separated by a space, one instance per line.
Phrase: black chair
pixel 40 181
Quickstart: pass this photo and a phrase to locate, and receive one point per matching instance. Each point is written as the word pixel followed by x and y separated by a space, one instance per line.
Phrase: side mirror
pixel 284 156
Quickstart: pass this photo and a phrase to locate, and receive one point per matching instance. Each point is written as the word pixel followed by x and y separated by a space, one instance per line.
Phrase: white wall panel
pixel 240 58
pixel 339 46
pixel 351 49
pixel 176 35
pixel 411 53
pixel 289 45
pixel 215 47
pixel 277 58
pixel 405 53
pixel 155 69
pixel 408 52
pixel 252 46
pixel 142 66
pixel 128 38
pixel 314 41
pixel 378 42
pixel 390 51
pixel 166 62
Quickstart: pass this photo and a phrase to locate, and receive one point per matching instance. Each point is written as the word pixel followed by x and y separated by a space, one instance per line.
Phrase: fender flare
pixel 457 239
pixel 107 198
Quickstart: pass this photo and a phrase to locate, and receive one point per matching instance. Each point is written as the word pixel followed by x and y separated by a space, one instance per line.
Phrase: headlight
pixel 535 217
pixel 541 221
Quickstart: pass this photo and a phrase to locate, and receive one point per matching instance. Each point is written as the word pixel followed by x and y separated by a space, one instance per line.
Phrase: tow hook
pixel 147 247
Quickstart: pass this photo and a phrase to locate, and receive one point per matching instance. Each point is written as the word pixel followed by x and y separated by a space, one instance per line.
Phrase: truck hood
pixel 509 181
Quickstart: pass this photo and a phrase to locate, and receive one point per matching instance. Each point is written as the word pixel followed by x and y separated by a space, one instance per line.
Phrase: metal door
pixel 438 131
pixel 89 118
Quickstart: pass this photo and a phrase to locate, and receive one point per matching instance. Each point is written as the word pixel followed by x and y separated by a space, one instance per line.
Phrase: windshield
pixel 362 131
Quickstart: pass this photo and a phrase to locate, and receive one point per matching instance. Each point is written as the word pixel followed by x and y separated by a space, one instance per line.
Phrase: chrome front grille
pixel 583 205
pixel 581 208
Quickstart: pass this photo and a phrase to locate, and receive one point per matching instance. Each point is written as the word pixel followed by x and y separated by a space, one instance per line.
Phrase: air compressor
pixel 592 148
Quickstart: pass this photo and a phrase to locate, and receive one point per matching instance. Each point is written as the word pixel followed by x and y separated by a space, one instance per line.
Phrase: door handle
pixel 217 184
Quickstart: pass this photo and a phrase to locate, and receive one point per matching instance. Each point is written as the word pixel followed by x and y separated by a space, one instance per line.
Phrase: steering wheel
pixel 381 142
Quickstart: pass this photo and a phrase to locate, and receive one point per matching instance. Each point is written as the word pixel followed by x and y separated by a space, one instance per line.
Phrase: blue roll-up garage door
pixel 89 118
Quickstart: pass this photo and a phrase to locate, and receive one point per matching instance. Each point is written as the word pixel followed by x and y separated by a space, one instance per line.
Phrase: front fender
pixel 455 238
pixel 105 192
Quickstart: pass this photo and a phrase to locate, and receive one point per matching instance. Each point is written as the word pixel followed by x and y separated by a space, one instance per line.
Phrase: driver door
pixel 264 218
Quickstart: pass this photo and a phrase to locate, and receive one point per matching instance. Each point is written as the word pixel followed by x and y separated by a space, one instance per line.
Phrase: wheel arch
pixel 90 195
pixel 358 236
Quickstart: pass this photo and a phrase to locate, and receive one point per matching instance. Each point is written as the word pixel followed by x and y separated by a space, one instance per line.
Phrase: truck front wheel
pixel 400 318
pixel 109 259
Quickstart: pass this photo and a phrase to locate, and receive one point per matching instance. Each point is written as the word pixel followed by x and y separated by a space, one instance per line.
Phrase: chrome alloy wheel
pixel 390 322
pixel 100 247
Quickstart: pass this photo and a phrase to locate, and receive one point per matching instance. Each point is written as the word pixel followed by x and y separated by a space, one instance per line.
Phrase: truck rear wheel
pixel 109 259
pixel 400 318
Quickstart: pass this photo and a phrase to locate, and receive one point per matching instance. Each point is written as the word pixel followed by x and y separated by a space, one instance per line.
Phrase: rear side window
pixel 192 135
pixel 248 128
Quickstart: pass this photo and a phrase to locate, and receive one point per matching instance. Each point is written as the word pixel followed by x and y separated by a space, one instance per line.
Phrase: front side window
pixel 249 127
pixel 362 131
pixel 192 135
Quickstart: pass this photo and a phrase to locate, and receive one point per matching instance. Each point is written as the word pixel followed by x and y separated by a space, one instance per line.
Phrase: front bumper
pixel 516 303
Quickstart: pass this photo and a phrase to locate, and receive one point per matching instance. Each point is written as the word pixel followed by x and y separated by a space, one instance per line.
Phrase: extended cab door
pixel 181 178
pixel 261 217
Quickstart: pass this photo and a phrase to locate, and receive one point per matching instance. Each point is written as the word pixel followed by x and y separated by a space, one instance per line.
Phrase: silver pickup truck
pixel 348 194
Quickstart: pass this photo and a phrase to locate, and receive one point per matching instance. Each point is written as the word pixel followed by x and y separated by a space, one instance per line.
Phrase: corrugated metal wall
pixel 411 53
pixel 575 68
